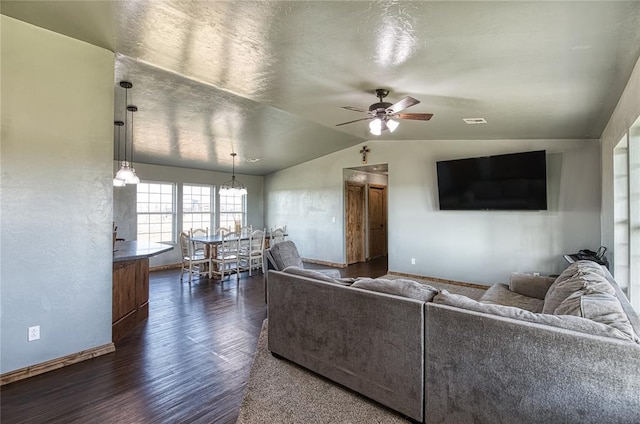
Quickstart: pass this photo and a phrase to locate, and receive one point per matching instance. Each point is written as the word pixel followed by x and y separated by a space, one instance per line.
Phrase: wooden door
pixel 355 222
pixel 377 221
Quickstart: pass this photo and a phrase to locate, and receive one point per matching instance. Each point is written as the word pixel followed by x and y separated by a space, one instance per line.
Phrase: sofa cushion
pixel 500 294
pixel 599 307
pixel 530 285
pixel 285 254
pixel 586 279
pixel 568 322
pixel 311 273
pixel 400 287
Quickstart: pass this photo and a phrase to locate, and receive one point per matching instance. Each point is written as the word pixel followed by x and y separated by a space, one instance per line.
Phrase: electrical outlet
pixel 34 333
pixel 413 261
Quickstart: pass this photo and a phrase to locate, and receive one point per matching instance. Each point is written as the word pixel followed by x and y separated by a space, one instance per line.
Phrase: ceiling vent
pixel 472 121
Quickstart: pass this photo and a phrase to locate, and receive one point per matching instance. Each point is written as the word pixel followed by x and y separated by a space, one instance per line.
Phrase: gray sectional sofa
pixel 537 350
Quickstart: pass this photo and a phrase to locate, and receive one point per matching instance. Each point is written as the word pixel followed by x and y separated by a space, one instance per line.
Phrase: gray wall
pixel 479 246
pixel 124 200
pixel 56 208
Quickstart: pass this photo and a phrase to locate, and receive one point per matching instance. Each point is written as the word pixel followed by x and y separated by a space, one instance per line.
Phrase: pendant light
pixel 233 187
pixel 134 178
pixel 126 173
pixel 117 182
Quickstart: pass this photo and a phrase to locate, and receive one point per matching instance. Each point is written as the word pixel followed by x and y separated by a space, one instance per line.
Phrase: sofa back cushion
pixel 535 286
pixel 568 322
pixel 599 307
pixel 400 287
pixel 317 275
pixel 285 254
pixel 581 278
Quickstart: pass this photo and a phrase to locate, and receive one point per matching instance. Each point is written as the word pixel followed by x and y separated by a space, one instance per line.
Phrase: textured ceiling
pixel 267 79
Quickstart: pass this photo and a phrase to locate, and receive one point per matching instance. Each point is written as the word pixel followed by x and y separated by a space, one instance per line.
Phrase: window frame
pixel 173 212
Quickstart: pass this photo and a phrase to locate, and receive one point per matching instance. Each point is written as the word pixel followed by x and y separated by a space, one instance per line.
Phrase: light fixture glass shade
pixel 124 173
pixel 134 179
pixel 233 187
pixel 392 125
pixel 375 126
pixel 117 182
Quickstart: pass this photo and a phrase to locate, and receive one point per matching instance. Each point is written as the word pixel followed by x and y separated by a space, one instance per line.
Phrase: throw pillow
pixel 599 307
pixel 568 322
pixel 582 279
pixel 400 287
pixel 310 273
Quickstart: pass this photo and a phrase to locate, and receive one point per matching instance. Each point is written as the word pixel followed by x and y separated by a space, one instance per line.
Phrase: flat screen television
pixel 516 181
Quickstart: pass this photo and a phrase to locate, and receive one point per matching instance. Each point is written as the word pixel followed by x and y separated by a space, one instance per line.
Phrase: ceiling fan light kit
pixel 126 174
pixel 384 115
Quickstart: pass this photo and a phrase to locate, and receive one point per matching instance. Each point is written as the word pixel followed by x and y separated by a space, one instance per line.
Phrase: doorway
pixel 365 213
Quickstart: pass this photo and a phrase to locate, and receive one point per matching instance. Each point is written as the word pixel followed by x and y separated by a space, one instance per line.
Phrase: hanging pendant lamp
pixel 134 178
pixel 117 182
pixel 233 187
pixel 126 173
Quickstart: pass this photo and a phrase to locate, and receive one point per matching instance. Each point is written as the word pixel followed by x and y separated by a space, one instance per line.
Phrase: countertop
pixel 131 250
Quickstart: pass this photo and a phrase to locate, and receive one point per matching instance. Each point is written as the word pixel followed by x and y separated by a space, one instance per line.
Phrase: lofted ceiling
pixel 267 79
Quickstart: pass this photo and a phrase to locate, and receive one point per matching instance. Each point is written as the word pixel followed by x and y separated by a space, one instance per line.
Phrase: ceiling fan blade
pixel 351 122
pixel 355 109
pixel 402 104
pixel 415 116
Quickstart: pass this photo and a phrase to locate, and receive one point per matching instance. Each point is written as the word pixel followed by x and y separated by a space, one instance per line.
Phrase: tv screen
pixel 516 181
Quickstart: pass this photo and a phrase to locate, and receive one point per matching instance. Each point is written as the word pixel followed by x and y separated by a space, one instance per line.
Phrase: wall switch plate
pixel 413 261
pixel 34 333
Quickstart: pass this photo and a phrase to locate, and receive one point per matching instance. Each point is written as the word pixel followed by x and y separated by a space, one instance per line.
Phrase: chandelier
pixel 233 187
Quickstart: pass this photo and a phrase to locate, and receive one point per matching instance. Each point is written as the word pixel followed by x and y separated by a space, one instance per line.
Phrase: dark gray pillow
pixel 310 273
pixel 399 287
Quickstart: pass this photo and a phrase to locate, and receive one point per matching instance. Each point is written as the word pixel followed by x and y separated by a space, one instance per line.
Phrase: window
pixel 232 208
pixel 156 211
pixel 196 206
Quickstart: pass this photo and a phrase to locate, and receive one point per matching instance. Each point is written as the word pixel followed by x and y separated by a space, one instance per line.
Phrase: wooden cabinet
pixel 130 296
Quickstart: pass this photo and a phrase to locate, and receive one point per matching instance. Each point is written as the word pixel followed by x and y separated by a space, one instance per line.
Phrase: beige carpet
pixel 281 392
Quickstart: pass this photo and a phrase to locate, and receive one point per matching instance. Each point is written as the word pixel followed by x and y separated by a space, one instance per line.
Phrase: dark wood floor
pixel 187 364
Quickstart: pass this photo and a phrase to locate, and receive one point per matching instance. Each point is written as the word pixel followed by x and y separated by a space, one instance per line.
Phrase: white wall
pixel 125 200
pixel 56 208
pixel 475 246
pixel 625 114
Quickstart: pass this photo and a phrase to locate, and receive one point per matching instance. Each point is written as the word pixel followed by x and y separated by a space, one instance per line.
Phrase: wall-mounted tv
pixel 516 181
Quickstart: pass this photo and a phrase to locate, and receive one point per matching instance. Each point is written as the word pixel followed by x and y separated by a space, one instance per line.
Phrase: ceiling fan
pixel 383 114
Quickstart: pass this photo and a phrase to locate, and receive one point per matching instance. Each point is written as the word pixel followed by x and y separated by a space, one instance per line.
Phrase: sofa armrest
pixel 488 369
pixel 530 285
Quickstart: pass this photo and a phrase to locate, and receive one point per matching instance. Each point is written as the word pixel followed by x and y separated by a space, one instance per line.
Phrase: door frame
pixel 362 236
pixel 385 249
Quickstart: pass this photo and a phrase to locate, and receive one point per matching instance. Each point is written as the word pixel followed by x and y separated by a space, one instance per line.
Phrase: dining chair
pixel 191 261
pixel 197 246
pixel 277 235
pixel 225 260
pixel 251 258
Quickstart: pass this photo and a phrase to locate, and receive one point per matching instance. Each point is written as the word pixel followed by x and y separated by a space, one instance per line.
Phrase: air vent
pixel 472 121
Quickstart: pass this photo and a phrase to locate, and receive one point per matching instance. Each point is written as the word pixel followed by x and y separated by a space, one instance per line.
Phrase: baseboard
pixel 165 267
pixel 331 264
pixel 440 280
pixel 54 364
